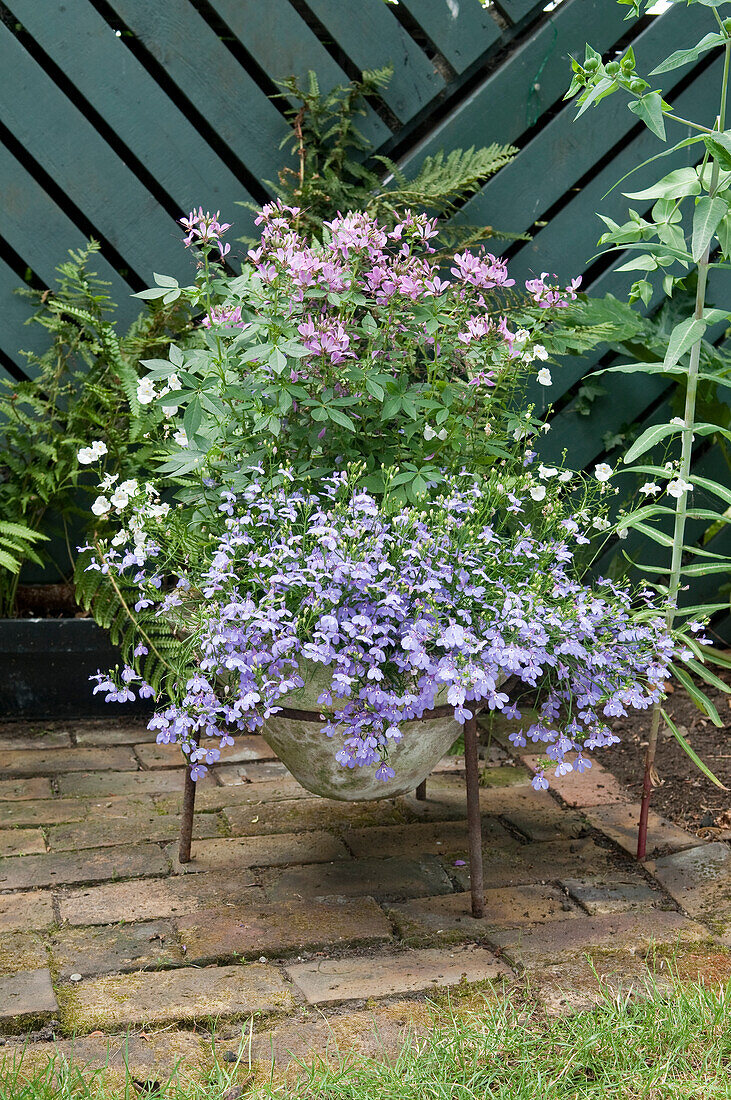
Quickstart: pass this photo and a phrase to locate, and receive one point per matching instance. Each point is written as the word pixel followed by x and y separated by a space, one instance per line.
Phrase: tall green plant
pixel 689 226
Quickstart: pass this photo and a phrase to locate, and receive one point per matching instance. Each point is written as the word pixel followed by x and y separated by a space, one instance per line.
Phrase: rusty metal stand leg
pixel 421 791
pixel 186 821
pixel 474 825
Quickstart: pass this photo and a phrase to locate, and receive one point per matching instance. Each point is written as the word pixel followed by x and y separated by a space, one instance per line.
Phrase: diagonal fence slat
pixel 461 32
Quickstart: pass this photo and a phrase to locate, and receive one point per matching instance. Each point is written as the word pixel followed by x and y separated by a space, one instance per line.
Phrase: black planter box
pixel 45 665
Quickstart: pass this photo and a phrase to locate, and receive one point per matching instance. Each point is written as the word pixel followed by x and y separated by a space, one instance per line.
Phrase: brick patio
pixel 315 916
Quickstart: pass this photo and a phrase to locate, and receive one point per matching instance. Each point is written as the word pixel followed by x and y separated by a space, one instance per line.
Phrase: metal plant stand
pixel 472 783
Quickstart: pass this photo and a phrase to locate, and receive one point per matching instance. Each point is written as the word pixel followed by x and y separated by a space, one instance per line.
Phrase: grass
pixel 672 1045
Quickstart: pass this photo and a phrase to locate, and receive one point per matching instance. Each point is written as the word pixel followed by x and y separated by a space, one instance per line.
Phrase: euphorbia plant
pixel 689 225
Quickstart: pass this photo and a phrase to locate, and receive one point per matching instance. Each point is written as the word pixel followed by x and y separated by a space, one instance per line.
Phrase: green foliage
pixel 83 389
pixel 16 545
pixel 337 170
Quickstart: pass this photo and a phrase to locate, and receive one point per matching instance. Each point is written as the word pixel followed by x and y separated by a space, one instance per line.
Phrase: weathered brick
pixel 243 794
pixel 22 951
pixel 331 980
pixel 520 864
pixel 130 830
pixel 437 838
pixel 115 948
pixel 33 909
pixel 595 787
pixel 95 865
pixel 620 931
pixel 377 878
pixel 613 893
pixel 21 842
pixel 221 935
pixel 21 789
pixel 170 996
pixel 147 1057
pixel 99 734
pixel 153 898
pixel 699 879
pixel 620 823
pixel 109 784
pixel 28 736
pixel 26 1000
pixel 56 761
pixel 60 811
pixel 169 756
pixel 450 915
pixel 313 813
pixel 264 772
pixel 274 850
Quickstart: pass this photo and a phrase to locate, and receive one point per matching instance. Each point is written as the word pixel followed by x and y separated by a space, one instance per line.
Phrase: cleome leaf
pixel 706 220
pixel 649 110
pixel 676 185
pixel 682 339
pixel 684 57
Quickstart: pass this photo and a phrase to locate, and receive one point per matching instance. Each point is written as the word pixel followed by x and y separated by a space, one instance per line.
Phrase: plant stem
pixel 681 507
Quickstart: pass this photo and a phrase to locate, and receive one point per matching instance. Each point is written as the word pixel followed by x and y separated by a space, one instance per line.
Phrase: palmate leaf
pixel 690 751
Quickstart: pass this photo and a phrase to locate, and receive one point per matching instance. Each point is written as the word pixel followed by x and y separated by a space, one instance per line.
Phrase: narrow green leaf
pixel 682 339
pixel 710 677
pixel 699 569
pixel 602 88
pixel 719 146
pixel 678 184
pixel 649 110
pixel 717 657
pixel 721 491
pixel 691 752
pixel 706 218
pixel 648 439
pixel 684 57
pixel 699 697
pixel 656 536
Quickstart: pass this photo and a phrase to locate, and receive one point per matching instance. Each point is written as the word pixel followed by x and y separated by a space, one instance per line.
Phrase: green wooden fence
pixel 117 116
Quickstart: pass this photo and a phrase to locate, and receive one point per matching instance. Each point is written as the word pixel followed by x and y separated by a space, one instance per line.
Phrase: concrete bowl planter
pixel 45 666
pixel 309 754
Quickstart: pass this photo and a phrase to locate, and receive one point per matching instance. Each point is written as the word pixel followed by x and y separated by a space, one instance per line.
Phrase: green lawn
pixel 669 1046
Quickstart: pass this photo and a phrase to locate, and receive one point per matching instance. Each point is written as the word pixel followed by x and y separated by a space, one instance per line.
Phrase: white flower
pixel 678 421
pixel 120 499
pixel 488 430
pixel 603 471
pixel 650 488
pixel 442 434
pixel 120 538
pixel 622 532
pixel 145 391
pixel 521 336
pixel 538 492
pixel 539 352
pixel 544 377
pixel 129 487
pixel 429 432
pixel 180 438
pixel 600 523
pixel 565 475
pixel 101 506
pixel 678 487
pixel 107 481
pixel 90 454
pixel 546 471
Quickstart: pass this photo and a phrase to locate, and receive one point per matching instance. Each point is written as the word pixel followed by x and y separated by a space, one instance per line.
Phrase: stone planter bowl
pixel 309 754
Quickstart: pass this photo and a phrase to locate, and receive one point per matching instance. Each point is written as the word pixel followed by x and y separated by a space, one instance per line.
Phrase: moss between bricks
pixel 22 951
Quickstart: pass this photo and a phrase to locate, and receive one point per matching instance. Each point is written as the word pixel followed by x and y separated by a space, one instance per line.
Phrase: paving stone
pixel 109 784
pixel 102 734
pixel 613 893
pixel 60 811
pixel 21 842
pixel 154 898
pixel 171 996
pixel 127 830
pixel 17 790
pixel 450 916
pixel 95 865
pixel 378 878
pixel 33 909
pixel 169 756
pixel 519 864
pixel 437 838
pixel 620 931
pixel 274 850
pixel 283 786
pixel 22 951
pixel 314 813
pixel 55 761
pixel 263 772
pixel 547 822
pixel 595 787
pixel 620 823
pixel 579 984
pixel 29 737
pixel 106 950
pixel 447 801
pixel 27 1000
pixel 699 879
pixel 275 929
pixel 150 1056
pixel 327 981
pixel 241 794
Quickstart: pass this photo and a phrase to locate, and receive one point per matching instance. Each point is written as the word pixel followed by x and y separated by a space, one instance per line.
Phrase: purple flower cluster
pixel 205 229
pixel 551 295
pixel 405 608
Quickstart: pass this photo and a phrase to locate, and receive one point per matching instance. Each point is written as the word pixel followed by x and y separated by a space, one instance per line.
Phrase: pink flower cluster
pixel 551 295
pixel 205 229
